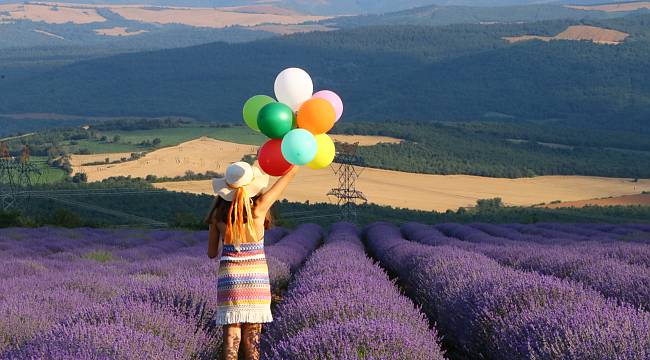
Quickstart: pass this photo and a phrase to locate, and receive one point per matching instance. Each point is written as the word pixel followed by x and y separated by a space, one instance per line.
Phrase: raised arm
pixel 267 200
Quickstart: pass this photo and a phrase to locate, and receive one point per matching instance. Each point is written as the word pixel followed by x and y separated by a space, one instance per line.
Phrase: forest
pixel 490 149
pixel 436 15
pixel 384 73
pixel 505 148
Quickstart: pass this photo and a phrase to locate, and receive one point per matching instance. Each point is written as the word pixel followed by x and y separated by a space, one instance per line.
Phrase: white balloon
pixel 293 87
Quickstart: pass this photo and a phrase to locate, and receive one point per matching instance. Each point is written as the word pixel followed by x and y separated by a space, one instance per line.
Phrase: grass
pixel 49 174
pixel 129 140
pixel 101 256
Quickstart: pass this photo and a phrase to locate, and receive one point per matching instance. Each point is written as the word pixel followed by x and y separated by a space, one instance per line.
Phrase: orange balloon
pixel 317 116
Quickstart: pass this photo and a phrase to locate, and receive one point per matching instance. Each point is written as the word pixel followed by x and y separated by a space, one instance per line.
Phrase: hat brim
pixel 260 182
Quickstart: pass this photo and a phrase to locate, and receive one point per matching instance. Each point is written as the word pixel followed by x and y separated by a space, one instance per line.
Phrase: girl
pixel 238 217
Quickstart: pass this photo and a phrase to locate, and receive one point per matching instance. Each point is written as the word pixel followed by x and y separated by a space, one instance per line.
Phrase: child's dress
pixel 243 288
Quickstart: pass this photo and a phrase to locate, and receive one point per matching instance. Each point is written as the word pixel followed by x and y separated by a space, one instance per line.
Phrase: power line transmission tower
pixel 346 194
pixel 16 175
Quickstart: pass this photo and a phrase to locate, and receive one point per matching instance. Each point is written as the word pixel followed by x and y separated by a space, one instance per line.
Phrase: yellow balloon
pixel 325 153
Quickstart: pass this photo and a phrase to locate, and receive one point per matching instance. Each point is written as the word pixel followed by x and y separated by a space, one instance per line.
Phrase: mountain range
pixel 333 7
pixel 384 73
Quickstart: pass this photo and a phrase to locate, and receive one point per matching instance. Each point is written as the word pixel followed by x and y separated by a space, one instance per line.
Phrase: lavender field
pixel 542 291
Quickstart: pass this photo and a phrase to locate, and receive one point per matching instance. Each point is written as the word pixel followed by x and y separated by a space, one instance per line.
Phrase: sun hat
pixel 240 175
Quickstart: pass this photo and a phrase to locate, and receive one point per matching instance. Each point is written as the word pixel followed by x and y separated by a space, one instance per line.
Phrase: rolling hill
pixel 141 27
pixel 417 191
pixel 144 27
pixel 458 72
pixel 335 7
pixel 436 15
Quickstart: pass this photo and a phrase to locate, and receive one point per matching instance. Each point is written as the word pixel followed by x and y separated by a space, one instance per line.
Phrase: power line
pixel 116 213
pixel 346 194
pixel 15 174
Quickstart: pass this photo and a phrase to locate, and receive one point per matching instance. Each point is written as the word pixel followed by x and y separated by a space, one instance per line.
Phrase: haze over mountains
pixel 332 7
pixel 457 72
pixel 139 27
pixel 548 63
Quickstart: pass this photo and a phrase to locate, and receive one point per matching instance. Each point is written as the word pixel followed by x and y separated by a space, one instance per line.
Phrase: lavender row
pixel 630 253
pixel 562 233
pixel 484 309
pixel 341 305
pixel 295 247
pixel 47 273
pixel 289 251
pixel 612 278
pixel 631 232
pixel 48 242
pixel 274 235
pixel 86 309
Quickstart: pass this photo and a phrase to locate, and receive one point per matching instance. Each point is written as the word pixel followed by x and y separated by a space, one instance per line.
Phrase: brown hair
pixel 220 212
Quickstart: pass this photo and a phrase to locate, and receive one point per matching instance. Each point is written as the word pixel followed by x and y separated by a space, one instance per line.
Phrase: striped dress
pixel 243 288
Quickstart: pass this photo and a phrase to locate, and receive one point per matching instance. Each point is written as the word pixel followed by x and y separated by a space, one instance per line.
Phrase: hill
pixel 615 6
pixel 417 191
pixel 625 200
pixel 579 33
pixel 332 7
pixel 54 24
pixel 58 24
pixel 437 15
pixel 471 72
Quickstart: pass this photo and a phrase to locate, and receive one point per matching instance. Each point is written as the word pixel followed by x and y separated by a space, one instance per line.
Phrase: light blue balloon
pixel 299 147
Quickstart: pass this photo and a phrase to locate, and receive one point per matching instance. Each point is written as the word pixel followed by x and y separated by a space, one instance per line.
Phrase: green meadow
pixel 130 141
pixel 48 174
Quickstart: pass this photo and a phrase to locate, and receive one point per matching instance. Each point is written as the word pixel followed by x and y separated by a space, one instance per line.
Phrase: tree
pixel 156 141
pixel 116 138
pixel 483 205
pixel 80 178
pixel 65 218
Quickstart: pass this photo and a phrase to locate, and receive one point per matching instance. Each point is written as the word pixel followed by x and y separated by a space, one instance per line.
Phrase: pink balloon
pixel 334 99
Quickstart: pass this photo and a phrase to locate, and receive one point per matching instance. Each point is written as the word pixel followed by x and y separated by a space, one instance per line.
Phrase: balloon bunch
pixel 297 123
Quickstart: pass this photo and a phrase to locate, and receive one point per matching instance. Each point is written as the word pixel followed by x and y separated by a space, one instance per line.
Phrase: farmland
pixel 47 174
pixel 418 191
pixel 130 141
pixel 442 192
pixel 466 291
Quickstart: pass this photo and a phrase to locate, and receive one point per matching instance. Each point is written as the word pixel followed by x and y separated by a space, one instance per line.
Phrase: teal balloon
pixel 252 109
pixel 299 147
pixel 275 120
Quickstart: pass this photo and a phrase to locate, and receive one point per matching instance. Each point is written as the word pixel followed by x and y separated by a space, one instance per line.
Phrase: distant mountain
pixel 437 15
pixel 458 72
pixel 334 7
pixel 143 27
pixel 341 7
pixel 25 25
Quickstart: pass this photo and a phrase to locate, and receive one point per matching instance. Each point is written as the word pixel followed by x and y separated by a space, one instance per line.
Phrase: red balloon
pixel 271 159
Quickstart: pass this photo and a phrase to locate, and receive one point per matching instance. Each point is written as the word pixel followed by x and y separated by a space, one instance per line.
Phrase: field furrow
pixel 484 309
pixel 343 306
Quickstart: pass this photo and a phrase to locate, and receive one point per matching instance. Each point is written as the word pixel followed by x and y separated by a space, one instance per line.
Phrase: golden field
pixel 629 6
pixel 637 199
pixel 579 33
pixel 60 13
pixel 383 187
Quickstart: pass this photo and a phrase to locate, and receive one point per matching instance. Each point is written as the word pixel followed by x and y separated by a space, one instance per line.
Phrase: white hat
pixel 240 174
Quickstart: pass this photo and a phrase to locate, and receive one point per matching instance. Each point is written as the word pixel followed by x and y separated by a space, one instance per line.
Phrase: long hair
pixel 225 212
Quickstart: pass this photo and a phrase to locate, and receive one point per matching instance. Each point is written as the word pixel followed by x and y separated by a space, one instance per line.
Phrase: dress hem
pixel 251 317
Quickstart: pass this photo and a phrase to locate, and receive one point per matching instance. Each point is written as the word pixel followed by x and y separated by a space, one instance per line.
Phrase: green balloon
pixel 252 108
pixel 275 120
